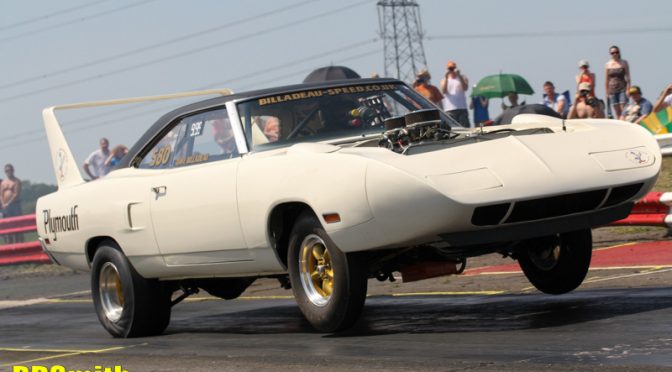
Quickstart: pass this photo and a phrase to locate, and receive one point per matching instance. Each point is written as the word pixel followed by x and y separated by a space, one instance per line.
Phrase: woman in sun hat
pixel 585 76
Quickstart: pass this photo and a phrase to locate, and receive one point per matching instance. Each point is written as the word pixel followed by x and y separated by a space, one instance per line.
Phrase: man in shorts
pixel 10 200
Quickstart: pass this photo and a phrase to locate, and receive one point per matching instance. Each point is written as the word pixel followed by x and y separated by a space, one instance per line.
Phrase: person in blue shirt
pixel 638 109
pixel 115 156
pixel 557 102
pixel 480 106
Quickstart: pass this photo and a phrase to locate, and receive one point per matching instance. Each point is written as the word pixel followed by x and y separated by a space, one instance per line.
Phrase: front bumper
pixel 538 228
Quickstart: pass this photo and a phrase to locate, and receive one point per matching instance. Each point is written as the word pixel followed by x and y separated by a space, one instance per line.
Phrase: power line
pixel 185 53
pixel 153 46
pixel 81 19
pixel 560 33
pixel 293 63
pixel 165 108
pixel 50 15
pixel 303 72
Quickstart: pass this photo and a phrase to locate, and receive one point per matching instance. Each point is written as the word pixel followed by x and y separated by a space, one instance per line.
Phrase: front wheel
pixel 127 304
pixel 557 264
pixel 329 285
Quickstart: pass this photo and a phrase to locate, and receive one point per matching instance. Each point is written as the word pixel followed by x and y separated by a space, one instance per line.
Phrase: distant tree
pixel 31 192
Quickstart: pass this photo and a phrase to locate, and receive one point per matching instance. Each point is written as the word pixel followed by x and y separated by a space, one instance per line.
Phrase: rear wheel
pixel 329 285
pixel 127 304
pixel 557 264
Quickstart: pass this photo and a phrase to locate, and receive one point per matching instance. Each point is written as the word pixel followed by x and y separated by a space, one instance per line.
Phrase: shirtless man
pixel 10 200
pixel 586 106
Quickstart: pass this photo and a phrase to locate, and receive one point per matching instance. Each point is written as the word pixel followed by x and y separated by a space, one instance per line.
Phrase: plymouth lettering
pixel 60 223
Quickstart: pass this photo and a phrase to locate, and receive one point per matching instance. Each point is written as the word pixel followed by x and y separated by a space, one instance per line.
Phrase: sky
pixel 68 51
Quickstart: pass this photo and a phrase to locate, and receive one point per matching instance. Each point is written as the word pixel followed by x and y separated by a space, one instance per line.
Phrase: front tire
pixel 557 264
pixel 127 304
pixel 329 285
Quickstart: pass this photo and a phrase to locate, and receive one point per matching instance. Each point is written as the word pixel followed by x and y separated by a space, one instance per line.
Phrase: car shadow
pixel 433 314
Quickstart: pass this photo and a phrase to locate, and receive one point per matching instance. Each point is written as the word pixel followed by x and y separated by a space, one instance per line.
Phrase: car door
pixel 193 196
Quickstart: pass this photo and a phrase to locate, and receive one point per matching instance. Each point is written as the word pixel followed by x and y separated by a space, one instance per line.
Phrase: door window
pixel 196 139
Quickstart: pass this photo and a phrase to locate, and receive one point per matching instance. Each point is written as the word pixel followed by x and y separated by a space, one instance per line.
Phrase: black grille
pixel 622 193
pixel 489 215
pixel 560 205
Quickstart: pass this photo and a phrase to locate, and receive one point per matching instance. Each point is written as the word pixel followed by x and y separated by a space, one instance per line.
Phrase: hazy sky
pixel 56 52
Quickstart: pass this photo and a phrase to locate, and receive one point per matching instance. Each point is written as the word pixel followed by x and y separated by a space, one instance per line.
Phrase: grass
pixel 664 182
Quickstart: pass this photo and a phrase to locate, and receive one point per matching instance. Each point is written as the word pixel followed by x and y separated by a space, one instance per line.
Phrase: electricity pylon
pixel 401 31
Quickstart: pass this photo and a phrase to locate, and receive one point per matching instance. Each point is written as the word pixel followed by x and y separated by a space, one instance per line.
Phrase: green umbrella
pixel 501 85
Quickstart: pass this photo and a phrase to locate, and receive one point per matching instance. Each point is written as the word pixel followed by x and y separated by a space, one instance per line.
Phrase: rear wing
pixel 66 168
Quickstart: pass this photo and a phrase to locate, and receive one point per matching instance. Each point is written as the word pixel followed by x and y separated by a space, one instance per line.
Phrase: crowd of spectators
pixel 622 99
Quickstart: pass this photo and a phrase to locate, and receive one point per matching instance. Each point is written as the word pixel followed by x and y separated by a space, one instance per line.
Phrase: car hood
pixel 595 153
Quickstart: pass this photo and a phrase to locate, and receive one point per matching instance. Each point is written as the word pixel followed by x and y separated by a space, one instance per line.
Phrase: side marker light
pixel 331 217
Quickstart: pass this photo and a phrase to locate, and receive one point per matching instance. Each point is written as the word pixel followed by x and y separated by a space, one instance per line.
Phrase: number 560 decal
pixel 160 156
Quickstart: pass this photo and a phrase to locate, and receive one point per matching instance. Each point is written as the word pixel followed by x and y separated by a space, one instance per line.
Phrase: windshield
pixel 325 114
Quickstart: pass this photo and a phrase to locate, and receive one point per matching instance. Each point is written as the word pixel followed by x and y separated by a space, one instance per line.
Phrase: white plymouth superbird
pixel 326 185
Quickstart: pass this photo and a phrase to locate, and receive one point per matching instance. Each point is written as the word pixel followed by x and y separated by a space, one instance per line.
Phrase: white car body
pixel 214 219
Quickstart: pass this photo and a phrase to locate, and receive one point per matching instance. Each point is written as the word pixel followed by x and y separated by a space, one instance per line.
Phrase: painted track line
pixel 650 272
pixel 63 353
pixel 8 304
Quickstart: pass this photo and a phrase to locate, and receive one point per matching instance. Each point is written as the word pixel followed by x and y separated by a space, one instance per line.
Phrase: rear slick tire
pixel 329 285
pixel 557 264
pixel 127 304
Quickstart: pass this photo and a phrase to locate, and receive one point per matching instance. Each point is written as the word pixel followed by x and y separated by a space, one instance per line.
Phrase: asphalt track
pixel 589 329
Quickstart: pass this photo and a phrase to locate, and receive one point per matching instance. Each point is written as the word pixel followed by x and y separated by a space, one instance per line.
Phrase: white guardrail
pixel 665 143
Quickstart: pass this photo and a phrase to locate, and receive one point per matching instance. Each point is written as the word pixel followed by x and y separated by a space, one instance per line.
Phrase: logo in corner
pixel 62 163
pixel 638 157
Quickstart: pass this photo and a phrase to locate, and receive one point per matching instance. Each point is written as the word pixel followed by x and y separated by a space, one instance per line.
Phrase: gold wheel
pixel 546 258
pixel 316 271
pixel 111 292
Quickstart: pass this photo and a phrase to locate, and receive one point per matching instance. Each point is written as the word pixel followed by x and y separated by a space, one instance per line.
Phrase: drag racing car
pixel 324 186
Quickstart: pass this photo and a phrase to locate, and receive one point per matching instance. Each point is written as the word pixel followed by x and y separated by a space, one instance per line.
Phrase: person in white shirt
pixel 557 102
pixel 453 86
pixel 665 99
pixel 94 165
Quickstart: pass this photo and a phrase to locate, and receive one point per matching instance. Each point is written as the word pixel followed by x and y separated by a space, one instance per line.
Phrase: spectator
pixel 617 81
pixel 639 108
pixel 513 101
pixel 665 99
pixel 429 91
pixel 585 105
pixel 585 76
pixel 10 200
pixel 480 106
pixel 117 153
pixel 94 165
pixel 557 102
pixel 453 86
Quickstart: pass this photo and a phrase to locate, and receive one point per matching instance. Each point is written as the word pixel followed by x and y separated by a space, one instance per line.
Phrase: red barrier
pixel 16 253
pixel 651 210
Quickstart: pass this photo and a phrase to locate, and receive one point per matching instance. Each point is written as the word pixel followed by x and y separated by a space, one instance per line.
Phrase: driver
pixel 272 129
pixel 223 136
